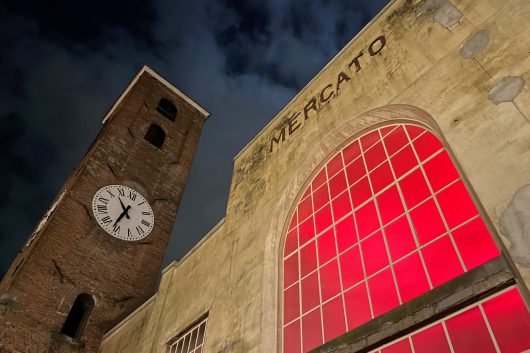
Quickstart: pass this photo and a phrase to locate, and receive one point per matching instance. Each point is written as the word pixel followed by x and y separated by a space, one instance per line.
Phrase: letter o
pixel 382 41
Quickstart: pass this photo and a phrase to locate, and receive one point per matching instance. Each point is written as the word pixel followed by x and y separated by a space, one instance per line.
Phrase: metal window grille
pixel 190 341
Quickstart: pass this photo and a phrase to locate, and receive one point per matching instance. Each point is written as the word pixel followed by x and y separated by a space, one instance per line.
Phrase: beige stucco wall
pixel 233 273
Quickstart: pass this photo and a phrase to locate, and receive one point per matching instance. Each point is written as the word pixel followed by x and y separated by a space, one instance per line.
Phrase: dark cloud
pixel 66 63
pixel 88 23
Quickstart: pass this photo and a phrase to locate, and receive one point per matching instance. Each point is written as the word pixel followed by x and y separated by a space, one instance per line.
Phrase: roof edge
pixel 147 69
pixel 176 263
pixel 284 108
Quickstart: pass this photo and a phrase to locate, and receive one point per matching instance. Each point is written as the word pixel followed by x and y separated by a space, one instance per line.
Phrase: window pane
pixel 291 242
pixel 374 253
pixel 431 340
pixel 427 222
pixel 308 259
pixel 334 165
pixel 390 205
pixel 341 206
pixel 319 179
pixel 323 219
pixel 398 347
pixel 337 184
pixel 357 306
pixel 351 267
pixel 442 261
pixel 351 152
pixel 475 244
pixel 440 171
pixel 381 177
pixel 321 197
pixel 396 140
pixel 305 208
pixel 360 192
pixel 456 204
pixel 326 246
pixel 311 330
pixel 290 270
pixel 403 161
pixel 383 292
pixel 375 156
pixel 469 334
pixel 306 231
pixel 329 280
pixel 414 188
pixel 411 278
pixel 426 145
pixel 510 321
pixel 291 304
pixel 334 323
pixel 346 234
pixel 310 293
pixel 355 171
pixel 368 221
pixel 400 239
pixel 369 140
pixel 291 338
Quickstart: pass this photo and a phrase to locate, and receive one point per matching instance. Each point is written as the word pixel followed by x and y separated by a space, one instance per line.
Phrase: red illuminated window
pixel 497 325
pixel 387 219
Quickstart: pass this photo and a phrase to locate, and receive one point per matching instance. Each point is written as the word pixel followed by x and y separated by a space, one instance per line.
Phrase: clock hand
pixel 124 213
pixel 125 209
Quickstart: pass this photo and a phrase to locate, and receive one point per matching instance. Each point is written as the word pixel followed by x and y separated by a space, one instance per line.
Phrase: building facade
pixel 384 209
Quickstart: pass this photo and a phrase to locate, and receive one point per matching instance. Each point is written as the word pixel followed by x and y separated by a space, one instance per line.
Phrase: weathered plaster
pixel 515 224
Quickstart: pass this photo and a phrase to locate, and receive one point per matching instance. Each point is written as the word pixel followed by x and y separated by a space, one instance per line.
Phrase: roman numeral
pixel 145 223
pixel 121 192
pixel 103 200
pixel 145 213
pixel 141 203
pixel 116 228
pixel 132 195
pixel 129 234
pixel 102 209
pixel 106 220
pixel 140 230
pixel 110 193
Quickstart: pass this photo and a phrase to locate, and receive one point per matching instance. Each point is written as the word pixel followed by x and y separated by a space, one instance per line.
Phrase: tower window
pixel 78 316
pixel 167 109
pixel 155 135
pixel 189 341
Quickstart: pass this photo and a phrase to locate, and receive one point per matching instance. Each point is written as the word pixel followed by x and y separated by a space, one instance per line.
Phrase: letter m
pixel 276 140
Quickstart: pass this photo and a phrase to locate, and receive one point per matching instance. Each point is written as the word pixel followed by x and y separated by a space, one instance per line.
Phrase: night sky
pixel 64 63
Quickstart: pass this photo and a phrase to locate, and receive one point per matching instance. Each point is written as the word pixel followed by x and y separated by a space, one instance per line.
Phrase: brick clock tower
pixel 97 253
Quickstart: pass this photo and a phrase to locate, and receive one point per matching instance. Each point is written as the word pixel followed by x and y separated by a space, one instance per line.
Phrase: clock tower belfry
pixel 97 253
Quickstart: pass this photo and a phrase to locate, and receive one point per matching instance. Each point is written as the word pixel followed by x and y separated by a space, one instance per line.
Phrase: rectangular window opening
pixel 190 340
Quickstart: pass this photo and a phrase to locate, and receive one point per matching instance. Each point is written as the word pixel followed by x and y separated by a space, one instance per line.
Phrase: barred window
pixel 189 341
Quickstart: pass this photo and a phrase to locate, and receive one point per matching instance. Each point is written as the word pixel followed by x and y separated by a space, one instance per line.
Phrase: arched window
pixel 167 109
pixel 78 316
pixel 387 219
pixel 155 135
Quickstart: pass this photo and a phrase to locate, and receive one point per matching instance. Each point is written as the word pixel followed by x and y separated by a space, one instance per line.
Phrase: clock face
pixel 123 212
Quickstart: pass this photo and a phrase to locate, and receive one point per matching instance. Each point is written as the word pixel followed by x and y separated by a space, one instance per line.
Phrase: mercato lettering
pixel 295 120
